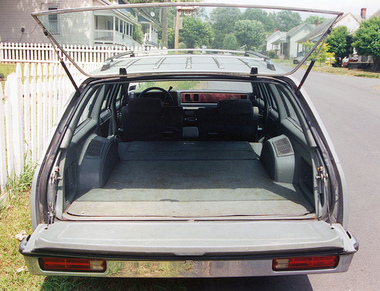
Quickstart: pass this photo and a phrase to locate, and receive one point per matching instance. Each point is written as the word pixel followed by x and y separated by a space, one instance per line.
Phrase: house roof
pixel 273 35
pixel 346 15
pixel 147 18
pixel 377 13
pixel 316 33
pixel 143 16
pixel 280 38
pixel 296 29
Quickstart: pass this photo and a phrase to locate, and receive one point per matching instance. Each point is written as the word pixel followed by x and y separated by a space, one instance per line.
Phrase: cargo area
pixel 189 179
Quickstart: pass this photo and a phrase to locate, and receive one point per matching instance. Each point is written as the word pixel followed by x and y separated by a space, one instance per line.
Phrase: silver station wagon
pixel 195 155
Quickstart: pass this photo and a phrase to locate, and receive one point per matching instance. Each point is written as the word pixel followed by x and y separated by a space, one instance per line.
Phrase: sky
pixel 345 6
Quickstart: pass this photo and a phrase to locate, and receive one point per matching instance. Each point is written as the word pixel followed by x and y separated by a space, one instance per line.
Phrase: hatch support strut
pixel 69 75
pixel 305 76
pixel 54 45
pixel 312 62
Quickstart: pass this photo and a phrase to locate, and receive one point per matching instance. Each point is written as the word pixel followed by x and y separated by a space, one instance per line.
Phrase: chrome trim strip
pixel 183 4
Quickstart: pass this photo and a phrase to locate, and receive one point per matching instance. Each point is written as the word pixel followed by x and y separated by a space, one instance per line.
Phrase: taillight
pixel 72 265
pixel 305 263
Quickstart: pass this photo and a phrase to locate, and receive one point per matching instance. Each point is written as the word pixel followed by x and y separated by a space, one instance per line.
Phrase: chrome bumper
pixel 189 268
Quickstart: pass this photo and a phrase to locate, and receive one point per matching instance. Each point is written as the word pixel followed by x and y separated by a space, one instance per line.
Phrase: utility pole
pixel 165 26
pixel 187 11
pixel 177 22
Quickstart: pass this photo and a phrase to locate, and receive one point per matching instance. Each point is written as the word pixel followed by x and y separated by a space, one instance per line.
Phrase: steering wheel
pixel 166 98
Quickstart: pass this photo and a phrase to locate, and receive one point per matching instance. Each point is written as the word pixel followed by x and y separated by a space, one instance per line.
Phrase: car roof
pixel 189 61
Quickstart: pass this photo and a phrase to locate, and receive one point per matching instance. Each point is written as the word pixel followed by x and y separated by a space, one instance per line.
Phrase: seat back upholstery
pixel 208 123
pixel 147 119
pixel 238 121
pixel 231 120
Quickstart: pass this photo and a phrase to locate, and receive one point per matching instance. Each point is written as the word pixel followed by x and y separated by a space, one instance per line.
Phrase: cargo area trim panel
pixel 187 238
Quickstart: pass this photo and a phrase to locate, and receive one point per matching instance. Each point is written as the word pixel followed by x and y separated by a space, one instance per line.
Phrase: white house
pixel 350 21
pixel 377 13
pixel 108 27
pixel 149 25
pixel 287 42
pixel 17 24
pixel 294 35
pixel 274 41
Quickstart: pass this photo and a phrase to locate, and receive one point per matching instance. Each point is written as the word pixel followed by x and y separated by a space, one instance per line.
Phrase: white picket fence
pixel 44 53
pixel 34 95
pixel 31 102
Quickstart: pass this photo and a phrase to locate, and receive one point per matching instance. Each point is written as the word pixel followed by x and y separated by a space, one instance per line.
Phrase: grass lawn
pixel 14 217
pixel 332 70
pixel 14 275
pixel 345 72
pixel 5 70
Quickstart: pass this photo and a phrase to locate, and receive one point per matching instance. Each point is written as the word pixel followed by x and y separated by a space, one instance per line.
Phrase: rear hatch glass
pixel 165 38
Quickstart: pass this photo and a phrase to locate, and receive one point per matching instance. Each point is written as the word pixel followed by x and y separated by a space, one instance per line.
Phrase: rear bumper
pixel 193 250
pixel 189 268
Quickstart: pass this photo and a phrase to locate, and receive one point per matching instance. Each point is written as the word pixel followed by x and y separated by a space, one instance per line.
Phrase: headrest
pixel 235 107
pixel 145 105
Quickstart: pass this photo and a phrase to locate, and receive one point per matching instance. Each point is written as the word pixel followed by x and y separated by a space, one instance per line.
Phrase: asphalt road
pixel 350 110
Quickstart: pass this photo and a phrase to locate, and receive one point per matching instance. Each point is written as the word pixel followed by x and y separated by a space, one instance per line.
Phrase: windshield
pixel 198 91
pixel 186 37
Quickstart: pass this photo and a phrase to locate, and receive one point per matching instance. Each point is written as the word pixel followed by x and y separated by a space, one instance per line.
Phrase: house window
pixel 121 26
pixel 103 22
pixel 109 24
pixel 53 21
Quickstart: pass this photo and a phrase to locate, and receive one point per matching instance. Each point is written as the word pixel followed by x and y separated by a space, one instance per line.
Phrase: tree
pixel 250 33
pixel 137 33
pixel 314 19
pixel 367 40
pixel 339 43
pixel 230 42
pixel 323 52
pixel 166 14
pixel 195 32
pixel 285 20
pixel 171 36
pixel 222 22
pixel 267 19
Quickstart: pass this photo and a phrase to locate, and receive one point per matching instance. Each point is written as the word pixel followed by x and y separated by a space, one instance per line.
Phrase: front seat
pixel 146 119
pixel 238 120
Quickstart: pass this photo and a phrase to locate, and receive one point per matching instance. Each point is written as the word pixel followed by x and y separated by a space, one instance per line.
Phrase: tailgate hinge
pixel 322 177
pixel 54 179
